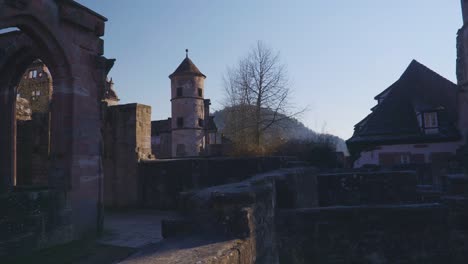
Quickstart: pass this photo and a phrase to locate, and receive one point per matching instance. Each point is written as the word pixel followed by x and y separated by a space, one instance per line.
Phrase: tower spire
pixel 186 53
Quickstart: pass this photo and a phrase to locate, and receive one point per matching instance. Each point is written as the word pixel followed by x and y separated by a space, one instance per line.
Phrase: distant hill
pixel 290 129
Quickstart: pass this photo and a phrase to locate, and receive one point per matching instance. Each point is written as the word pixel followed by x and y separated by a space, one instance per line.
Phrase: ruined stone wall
pixel 24 143
pixel 364 234
pixel 33 136
pixel 236 222
pixel 33 141
pixel 33 219
pixel 162 181
pixel 162 145
pixel 127 140
pixel 358 187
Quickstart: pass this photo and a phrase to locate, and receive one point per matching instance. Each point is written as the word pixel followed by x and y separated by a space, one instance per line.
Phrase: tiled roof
pixel 394 120
pixel 187 67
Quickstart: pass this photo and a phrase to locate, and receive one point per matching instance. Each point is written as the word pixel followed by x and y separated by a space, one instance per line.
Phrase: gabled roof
pixel 395 119
pixel 187 67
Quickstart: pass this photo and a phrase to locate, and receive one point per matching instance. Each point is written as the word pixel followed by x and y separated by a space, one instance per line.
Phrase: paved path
pixel 134 229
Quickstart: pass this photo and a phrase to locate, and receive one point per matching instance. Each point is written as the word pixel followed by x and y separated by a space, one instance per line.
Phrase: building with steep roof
pixel 188 132
pixel 414 122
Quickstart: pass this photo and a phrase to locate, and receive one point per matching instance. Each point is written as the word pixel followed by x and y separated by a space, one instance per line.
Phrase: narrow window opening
pixel 180 122
pixel 179 91
pixel 200 92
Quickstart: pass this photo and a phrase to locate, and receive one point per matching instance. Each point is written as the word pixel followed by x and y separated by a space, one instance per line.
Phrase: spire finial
pixel 186 53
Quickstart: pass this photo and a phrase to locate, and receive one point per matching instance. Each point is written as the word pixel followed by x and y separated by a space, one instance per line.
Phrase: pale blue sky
pixel 339 53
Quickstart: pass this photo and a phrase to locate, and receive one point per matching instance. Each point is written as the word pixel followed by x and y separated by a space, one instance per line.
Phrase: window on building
pixel 200 122
pixel 405 159
pixel 200 92
pixel 430 120
pixel 180 91
pixel 180 122
pixel 33 74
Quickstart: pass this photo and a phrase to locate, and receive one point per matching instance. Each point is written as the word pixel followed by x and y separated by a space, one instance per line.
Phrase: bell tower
pixel 188 113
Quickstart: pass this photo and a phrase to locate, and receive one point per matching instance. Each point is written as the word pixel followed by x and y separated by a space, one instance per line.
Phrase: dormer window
pixel 430 120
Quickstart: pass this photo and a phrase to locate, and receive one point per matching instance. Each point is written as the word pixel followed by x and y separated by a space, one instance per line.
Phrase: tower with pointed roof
pixel 188 110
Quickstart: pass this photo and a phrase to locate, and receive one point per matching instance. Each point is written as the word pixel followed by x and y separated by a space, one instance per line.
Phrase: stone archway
pixel 66 36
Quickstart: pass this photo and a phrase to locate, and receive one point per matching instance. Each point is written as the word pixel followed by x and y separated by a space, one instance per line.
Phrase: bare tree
pixel 257 94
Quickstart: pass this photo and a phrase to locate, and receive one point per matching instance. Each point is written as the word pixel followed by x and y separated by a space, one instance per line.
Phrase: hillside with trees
pixel 288 137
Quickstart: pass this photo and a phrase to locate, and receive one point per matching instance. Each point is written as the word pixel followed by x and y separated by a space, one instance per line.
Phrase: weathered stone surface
pixel 70 52
pixel 31 220
pixel 162 181
pixel 127 141
pixel 357 188
pixel 195 250
pixel 364 234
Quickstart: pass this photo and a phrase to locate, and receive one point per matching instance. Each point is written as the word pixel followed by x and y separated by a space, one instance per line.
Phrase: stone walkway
pixel 134 229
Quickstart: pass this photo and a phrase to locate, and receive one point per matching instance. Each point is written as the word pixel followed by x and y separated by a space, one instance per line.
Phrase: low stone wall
pixel 367 188
pixel 364 234
pixel 275 217
pixel 162 181
pixel 32 220
pixel 237 220
pixel 417 233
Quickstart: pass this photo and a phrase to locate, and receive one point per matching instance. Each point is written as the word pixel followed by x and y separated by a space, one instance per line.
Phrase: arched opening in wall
pixel 33 115
pixel 29 131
